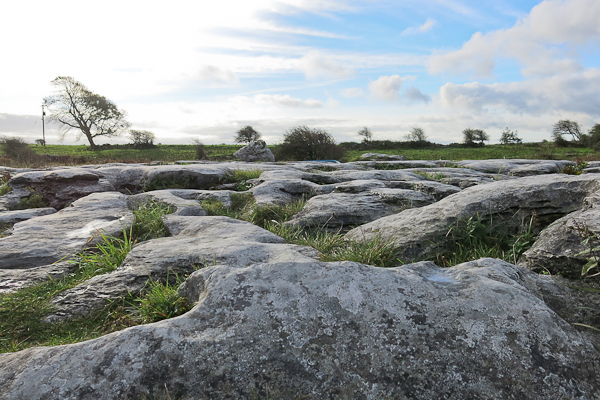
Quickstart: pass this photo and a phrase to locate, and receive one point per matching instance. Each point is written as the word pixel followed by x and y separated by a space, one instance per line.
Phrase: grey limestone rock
pixel 421 232
pixel 255 151
pixel 196 242
pixel 45 239
pixel 331 330
pixel 335 211
pixel 381 156
pixel 516 167
pixel 558 248
pixel 61 187
pixel 12 217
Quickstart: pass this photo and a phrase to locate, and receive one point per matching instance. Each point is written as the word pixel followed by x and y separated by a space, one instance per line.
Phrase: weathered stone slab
pixel 196 242
pixel 421 232
pixel 558 248
pixel 338 210
pixel 49 238
pixel 516 167
pixel 331 330
pixel 12 217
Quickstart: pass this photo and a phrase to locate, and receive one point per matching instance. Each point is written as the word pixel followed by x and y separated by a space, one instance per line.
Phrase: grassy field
pixel 124 154
pixel 73 155
pixel 539 151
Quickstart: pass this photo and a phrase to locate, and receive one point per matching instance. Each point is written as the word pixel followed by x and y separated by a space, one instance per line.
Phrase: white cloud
pixel 426 27
pixel 353 92
pixel 286 101
pixel 216 75
pixel 414 94
pixel 316 65
pixel 577 92
pixel 387 88
pixel 544 42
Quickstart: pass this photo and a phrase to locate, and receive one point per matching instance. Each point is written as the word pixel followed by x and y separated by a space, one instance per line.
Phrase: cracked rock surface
pixel 273 321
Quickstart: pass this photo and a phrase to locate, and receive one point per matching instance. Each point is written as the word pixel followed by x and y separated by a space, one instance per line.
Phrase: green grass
pixel 34 200
pixel 124 154
pixel 525 151
pixel 474 238
pixel 22 312
pixel 333 246
pixel 241 177
pixel 80 154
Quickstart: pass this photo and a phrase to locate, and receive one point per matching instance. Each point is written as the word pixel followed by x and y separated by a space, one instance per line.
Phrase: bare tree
pixel 76 107
pixel 247 135
pixel 416 134
pixel 366 134
pixel 566 127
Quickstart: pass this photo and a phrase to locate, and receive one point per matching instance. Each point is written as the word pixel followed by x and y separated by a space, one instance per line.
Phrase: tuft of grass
pixel 334 247
pixel 240 205
pixel 265 215
pixel 434 176
pixel 34 200
pixel 385 166
pixel 474 238
pixel 241 177
pixel 148 223
pixel 158 301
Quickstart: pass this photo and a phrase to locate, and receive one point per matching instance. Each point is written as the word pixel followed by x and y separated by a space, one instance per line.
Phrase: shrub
pixel 304 143
pixel 17 150
pixel 142 139
pixel 416 134
pixel 199 148
pixel 470 136
pixel 510 137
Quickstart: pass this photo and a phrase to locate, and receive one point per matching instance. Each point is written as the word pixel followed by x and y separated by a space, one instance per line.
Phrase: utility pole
pixel 43 126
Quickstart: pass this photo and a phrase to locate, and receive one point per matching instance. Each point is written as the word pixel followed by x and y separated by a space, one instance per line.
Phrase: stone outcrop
pixel 560 248
pixel 330 330
pixel 273 321
pixel 420 233
pixel 255 151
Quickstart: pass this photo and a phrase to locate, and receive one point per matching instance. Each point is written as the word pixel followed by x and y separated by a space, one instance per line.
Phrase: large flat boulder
pixel 331 330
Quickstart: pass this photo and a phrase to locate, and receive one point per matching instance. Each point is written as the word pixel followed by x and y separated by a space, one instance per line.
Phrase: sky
pixel 189 70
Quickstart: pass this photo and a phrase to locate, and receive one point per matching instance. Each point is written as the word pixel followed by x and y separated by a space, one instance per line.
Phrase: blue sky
pixel 189 71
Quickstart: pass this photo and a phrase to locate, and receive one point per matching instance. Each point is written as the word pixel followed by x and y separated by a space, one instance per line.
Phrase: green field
pixel 539 151
pixel 73 155
pixel 125 154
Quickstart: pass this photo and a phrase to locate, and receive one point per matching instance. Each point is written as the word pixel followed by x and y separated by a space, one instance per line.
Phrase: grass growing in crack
pixel 434 176
pixel 474 238
pixel 592 252
pixel 148 223
pixel 34 200
pixel 334 247
pixel 241 177
pixel 158 301
pixel 21 312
